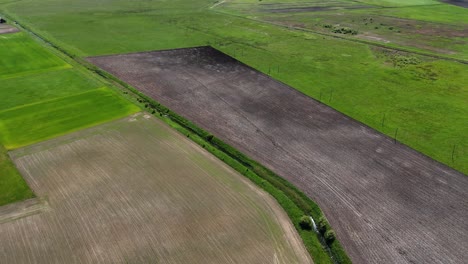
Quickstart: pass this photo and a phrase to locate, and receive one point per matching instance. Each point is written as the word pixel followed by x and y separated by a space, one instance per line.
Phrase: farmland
pixel 43 96
pixel 379 195
pixel 421 96
pixel 114 196
pixel 425 26
pixel 350 101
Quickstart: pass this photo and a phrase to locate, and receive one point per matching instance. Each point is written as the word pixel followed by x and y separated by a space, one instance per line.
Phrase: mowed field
pixel 42 96
pixel 387 202
pixel 136 191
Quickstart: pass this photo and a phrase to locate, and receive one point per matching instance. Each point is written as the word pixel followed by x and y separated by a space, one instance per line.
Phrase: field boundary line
pixel 103 88
pixel 18 210
pixel 27 73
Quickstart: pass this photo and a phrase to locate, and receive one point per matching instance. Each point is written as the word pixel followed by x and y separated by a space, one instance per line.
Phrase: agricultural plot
pixel 425 99
pixel 387 202
pixel 32 123
pixel 12 185
pixel 421 26
pixel 21 56
pixel 136 191
pixel 42 96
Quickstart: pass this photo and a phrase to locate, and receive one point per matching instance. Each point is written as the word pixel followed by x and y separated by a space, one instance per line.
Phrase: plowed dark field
pixel 387 202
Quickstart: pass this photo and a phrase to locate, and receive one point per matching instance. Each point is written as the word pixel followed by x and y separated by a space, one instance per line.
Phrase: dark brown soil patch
pixel 462 3
pixel 387 202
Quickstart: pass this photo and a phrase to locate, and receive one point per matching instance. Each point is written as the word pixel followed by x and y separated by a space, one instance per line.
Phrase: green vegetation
pixel 43 96
pixel 12 185
pixel 21 55
pixel 425 102
pixel 31 123
pixel 43 86
pixel 305 222
pixel 399 2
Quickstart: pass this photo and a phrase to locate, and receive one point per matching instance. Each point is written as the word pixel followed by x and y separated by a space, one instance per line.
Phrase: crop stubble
pixel 387 202
pixel 135 191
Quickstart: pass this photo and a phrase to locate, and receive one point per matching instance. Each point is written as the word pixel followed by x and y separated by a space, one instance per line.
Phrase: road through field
pixel 136 191
pixel 387 202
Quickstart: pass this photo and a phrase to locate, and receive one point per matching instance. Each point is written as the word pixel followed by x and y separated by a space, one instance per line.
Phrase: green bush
pixel 330 236
pixel 305 223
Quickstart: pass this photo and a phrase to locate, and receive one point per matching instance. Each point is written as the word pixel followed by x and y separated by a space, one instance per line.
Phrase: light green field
pixel 36 122
pixel 399 2
pixel 43 86
pixel 43 96
pixel 20 55
pixel 12 185
pixel 427 103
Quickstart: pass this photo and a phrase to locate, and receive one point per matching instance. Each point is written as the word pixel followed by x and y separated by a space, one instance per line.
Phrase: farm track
pixel 136 191
pixel 387 202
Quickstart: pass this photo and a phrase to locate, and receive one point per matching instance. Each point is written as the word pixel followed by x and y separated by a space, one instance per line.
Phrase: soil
pixel 387 202
pixel 136 191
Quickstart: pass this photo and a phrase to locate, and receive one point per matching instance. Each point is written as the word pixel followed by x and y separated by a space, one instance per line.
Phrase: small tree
pixel 305 223
pixel 330 236
pixel 322 225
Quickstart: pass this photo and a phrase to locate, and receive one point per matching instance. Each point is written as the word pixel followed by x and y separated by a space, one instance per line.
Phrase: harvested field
pixel 387 202
pixel 462 3
pixel 135 191
pixel 5 29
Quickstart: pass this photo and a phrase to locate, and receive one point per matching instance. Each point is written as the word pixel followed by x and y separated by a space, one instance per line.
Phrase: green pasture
pixel 35 88
pixel 443 13
pixel 36 122
pixel 12 185
pixel 21 55
pixel 43 96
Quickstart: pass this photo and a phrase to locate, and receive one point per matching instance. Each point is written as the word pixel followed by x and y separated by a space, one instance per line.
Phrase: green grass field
pixel 36 122
pixel 426 102
pixel 12 185
pixel 43 86
pixel 21 55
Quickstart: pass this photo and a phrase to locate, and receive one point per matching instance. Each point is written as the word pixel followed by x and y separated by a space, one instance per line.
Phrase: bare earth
pixel 136 191
pixel 5 29
pixel 387 202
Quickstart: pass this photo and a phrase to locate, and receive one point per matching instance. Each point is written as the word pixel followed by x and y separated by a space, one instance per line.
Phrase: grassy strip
pixel 27 124
pixel 12 186
pixel 294 202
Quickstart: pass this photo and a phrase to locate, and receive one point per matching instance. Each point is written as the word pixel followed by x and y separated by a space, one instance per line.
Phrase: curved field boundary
pixel 293 201
pixel 136 191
